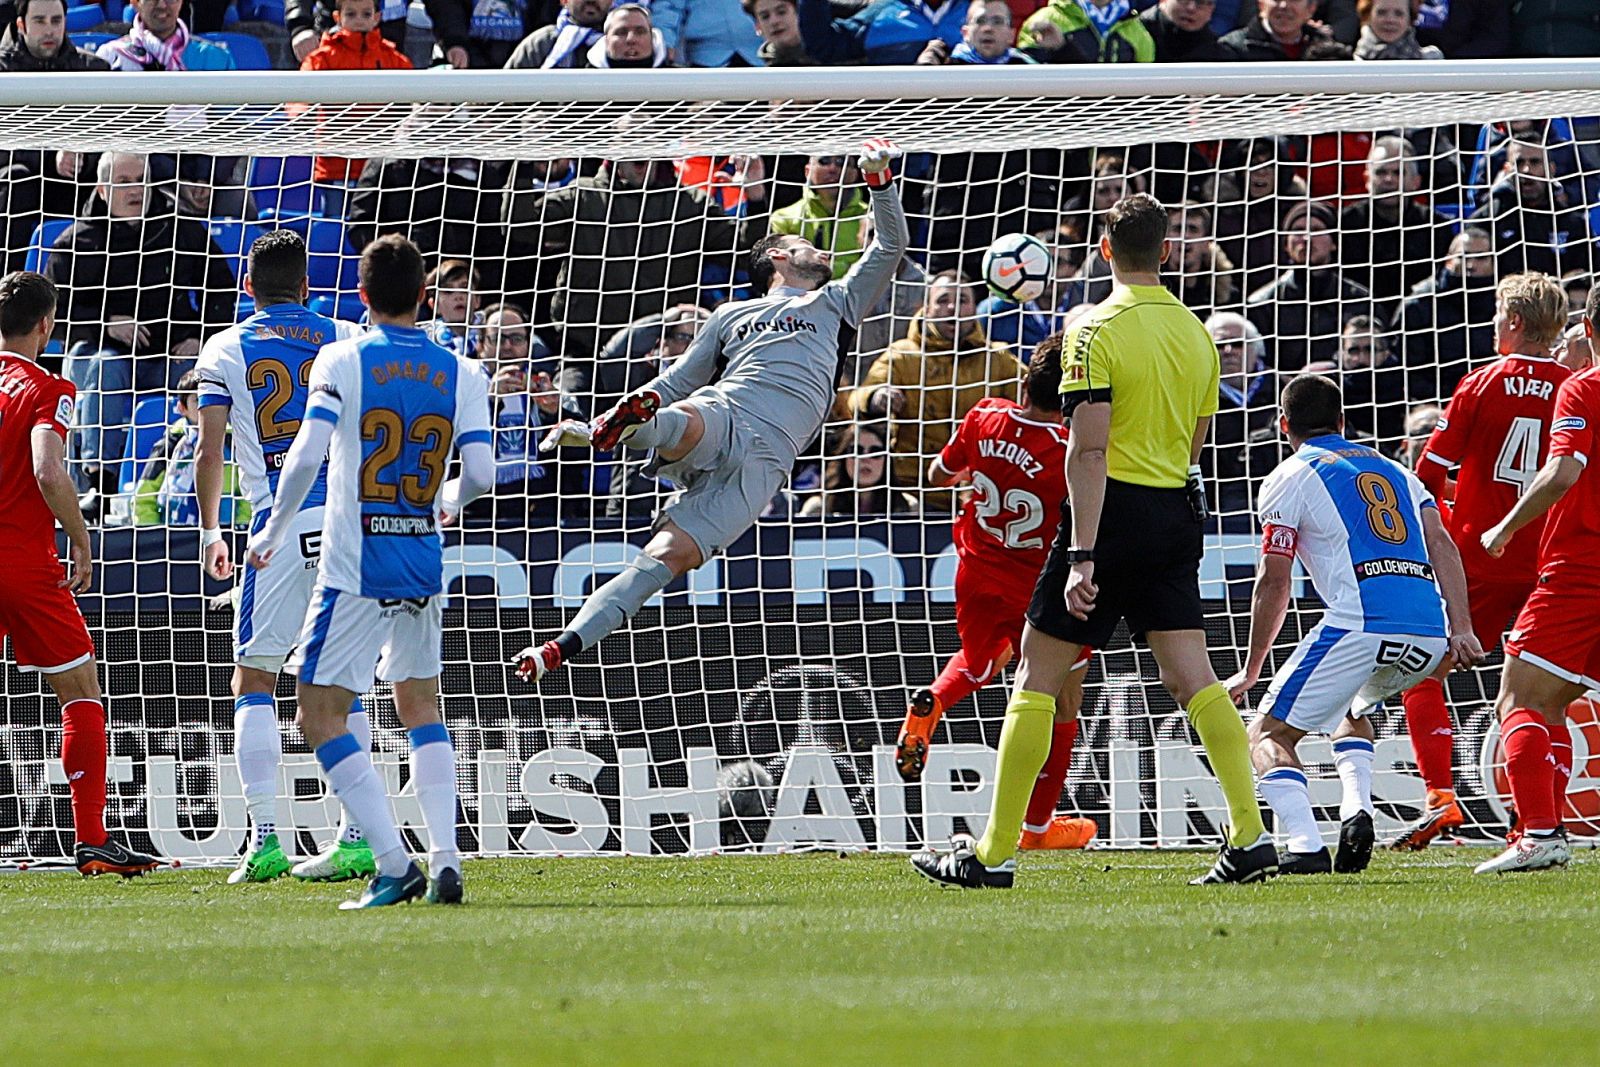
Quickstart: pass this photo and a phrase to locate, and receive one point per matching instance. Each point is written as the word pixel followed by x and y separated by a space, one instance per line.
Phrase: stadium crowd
pixel 1371 256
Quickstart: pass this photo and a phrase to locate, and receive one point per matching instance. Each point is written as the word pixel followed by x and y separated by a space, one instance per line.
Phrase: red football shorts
pixel 991 610
pixel 46 627
pixel 1557 630
pixel 1494 605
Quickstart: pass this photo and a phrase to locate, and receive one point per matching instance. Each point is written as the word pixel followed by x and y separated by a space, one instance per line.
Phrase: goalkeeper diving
pixel 727 420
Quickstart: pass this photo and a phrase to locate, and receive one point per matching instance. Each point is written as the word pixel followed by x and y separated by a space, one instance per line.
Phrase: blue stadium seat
pixel 151 416
pixel 248 52
pixel 84 17
pixel 92 41
pixel 234 238
pixel 260 11
pixel 281 184
pixel 44 235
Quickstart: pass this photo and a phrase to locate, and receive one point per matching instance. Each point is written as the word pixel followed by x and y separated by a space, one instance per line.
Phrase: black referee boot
pixel 1256 863
pixel 960 868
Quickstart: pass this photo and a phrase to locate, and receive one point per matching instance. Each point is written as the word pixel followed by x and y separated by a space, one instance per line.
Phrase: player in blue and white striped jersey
pixel 253 375
pixel 1370 536
pixel 389 409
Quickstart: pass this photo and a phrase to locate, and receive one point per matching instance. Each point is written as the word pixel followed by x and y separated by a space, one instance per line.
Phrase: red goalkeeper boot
pixel 1441 814
pixel 633 410
pixel 916 734
pixel 1064 832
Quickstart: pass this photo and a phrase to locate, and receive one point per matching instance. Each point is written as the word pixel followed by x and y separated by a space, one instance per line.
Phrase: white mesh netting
pixel 574 238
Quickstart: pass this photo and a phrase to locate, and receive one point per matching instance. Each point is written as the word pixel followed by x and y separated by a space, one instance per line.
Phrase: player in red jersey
pixel 1014 457
pixel 38 609
pixel 1553 652
pixel 1493 433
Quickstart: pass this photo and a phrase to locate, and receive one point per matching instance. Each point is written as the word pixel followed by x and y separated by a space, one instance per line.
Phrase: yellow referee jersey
pixel 1150 357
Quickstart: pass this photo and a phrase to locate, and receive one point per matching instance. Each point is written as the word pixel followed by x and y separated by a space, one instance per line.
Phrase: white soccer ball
pixel 1017 267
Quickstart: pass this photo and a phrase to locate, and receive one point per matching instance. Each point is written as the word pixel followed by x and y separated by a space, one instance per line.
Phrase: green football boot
pixel 263 864
pixel 343 862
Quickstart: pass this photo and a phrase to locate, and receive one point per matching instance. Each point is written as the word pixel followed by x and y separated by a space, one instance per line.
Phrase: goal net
pixel 1348 218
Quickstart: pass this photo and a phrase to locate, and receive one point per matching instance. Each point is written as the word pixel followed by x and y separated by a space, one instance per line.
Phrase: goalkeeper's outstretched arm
pixel 869 278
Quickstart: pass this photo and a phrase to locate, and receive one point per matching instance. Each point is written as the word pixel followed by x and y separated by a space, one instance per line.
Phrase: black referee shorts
pixel 1147 566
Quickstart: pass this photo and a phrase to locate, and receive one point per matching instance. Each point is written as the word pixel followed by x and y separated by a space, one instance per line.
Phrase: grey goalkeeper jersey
pixel 779 355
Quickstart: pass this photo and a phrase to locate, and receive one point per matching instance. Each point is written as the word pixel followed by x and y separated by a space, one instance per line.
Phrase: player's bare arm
pixel 940 478
pixel 1452 578
pixel 1558 475
pixel 55 485
pixel 208 479
pixel 1086 488
pixel 1269 603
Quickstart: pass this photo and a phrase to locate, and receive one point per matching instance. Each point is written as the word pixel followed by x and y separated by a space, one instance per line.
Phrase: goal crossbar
pixel 664 113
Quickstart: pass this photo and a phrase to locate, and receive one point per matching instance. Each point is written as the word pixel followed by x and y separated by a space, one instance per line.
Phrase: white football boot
pixel 1529 853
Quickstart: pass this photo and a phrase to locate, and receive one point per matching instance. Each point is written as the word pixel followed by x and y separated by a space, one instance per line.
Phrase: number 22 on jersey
pixel 990 503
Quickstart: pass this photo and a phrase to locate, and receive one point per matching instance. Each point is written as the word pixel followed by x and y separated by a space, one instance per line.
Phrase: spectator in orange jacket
pixel 354 44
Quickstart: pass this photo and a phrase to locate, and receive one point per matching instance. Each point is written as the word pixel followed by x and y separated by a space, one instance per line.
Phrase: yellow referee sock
pixel 1024 744
pixel 1216 720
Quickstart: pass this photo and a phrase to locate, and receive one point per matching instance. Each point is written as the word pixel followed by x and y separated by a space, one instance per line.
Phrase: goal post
pixel 755 705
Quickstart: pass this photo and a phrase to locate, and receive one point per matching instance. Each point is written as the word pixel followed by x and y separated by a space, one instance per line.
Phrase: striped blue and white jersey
pixel 400 406
pixel 260 369
pixel 1354 520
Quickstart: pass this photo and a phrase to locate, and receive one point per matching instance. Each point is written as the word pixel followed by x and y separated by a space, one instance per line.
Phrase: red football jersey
pixel 1571 538
pixel 30 396
pixel 1496 428
pixel 1018 469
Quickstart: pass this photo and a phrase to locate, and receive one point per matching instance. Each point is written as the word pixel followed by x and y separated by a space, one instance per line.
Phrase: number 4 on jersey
pixel 1518 462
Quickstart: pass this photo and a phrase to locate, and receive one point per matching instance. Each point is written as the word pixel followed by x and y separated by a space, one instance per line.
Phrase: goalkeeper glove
pixel 876 154
pixel 1196 489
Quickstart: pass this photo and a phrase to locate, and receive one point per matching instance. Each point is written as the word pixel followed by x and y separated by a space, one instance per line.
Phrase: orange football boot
pixel 916 734
pixel 1441 813
pixel 1065 832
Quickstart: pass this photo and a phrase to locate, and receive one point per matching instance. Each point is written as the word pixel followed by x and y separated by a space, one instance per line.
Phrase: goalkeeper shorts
pixel 726 481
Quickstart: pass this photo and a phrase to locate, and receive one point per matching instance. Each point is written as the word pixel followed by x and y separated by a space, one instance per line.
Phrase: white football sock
pixel 258 750
pixel 1285 790
pixel 433 771
pixel 360 790
pixel 1353 758
pixel 360 726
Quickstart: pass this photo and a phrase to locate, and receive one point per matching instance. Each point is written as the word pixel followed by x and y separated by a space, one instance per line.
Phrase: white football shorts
pixel 1334 672
pixel 349 640
pixel 272 601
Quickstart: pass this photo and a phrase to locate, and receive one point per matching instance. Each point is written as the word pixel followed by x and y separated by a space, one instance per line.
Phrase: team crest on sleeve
pixel 64 411
pixel 1568 422
pixel 1442 423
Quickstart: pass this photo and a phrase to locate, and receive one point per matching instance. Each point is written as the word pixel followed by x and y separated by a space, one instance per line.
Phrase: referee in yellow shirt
pixel 1139 384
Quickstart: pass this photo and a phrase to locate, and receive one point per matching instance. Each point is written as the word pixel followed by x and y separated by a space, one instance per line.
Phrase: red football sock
pixel 83 754
pixel 1561 755
pixel 1052 776
pixel 957 682
pixel 1526 740
pixel 1432 735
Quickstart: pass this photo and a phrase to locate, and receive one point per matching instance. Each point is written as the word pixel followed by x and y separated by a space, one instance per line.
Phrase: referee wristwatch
pixel 1079 555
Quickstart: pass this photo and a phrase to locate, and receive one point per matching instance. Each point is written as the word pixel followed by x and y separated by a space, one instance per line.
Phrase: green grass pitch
pixel 1098 957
